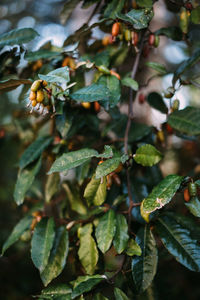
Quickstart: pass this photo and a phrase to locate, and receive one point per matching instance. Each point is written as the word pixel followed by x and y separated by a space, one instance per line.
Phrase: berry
pixel 112 72
pixel 141 98
pixel 115 29
pixel 192 188
pixel 186 195
pixel 86 105
pixel 97 106
pixel 151 39
pixel 35 86
pixel 32 96
pixel 34 103
pixel 135 38
pixel 40 96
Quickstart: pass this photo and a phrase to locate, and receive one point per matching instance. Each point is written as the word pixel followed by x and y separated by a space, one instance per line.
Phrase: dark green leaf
pixel 162 193
pixel 95 191
pixel 68 8
pixel 105 230
pixel 129 82
pixel 85 284
pixel 52 186
pixel 41 54
pixel 138 18
pixel 91 93
pixel 60 75
pixel 121 234
pixel 11 84
pixel 179 243
pixel 186 65
pixel 88 253
pixel 17 231
pixel 57 259
pixel 119 294
pixel 138 131
pixel 34 150
pixel 113 8
pixel 147 155
pixel 17 36
pixel 107 167
pixel 172 32
pixel 186 120
pixel 144 266
pixel 156 101
pixel 72 159
pixel 194 206
pixel 195 15
pixel 42 243
pixel 25 180
pixel 157 66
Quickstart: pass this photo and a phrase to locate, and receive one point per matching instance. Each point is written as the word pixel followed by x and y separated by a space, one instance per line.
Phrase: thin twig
pixel 128 125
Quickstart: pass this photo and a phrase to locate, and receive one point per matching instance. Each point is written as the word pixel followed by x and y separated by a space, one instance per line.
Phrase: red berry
pixel 141 98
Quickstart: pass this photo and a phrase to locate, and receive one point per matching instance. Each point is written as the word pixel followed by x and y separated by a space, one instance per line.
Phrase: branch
pixel 128 125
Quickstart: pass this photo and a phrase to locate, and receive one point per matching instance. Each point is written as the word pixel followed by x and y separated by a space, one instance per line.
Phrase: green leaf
pixel 25 180
pixel 100 297
pixel 17 36
pixel 113 85
pixel 11 84
pixel 186 120
pixel 42 242
pixel 121 234
pixel 133 248
pixel 194 206
pixel 60 75
pixel 113 8
pixel 119 294
pixel 138 131
pixel 179 243
pixel 156 101
pixel 41 54
pixel 171 32
pixel 108 152
pixel 88 253
pixel 129 82
pixel 52 186
pixel 162 193
pixel 34 150
pixel 68 8
pixel 95 191
pixel 105 230
pixel 156 66
pixel 17 231
pixel 138 18
pixel 91 93
pixel 72 159
pixel 73 196
pixel 188 63
pixel 107 167
pixel 57 259
pixel 144 3
pixel 144 266
pixel 85 284
pixel 58 290
pixel 147 155
pixel 195 15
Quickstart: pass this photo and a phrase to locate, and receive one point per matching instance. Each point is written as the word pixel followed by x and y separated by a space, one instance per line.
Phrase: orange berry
pixel 107 40
pixel 151 39
pixel 86 105
pixel 112 72
pixel 186 195
pixel 97 106
pixel 34 103
pixel 32 96
pixel 40 96
pixel 115 29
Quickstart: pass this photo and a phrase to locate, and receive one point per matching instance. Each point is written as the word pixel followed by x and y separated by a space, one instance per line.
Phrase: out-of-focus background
pixel 19 279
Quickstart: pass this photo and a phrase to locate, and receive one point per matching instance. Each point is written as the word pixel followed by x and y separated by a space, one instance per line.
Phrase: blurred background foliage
pixel 18 277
